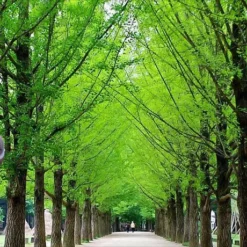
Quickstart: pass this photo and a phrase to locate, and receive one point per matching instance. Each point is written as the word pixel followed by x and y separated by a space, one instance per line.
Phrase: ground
pixel 136 239
pixel 123 239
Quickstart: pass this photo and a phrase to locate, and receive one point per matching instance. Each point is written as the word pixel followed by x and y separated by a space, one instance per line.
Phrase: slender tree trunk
pixel 101 229
pixel 205 211
pixel 157 221
pixel 97 231
pixel 163 222
pixel 193 234
pixel 39 217
pixel 117 224
pixel 56 235
pixel 239 84
pixel 94 222
pixel 205 216
pixel 77 225
pixel 187 219
pixel 100 224
pixel 86 221
pixel 147 225
pixel 173 217
pixel 179 217
pixel 223 180
pixel 109 227
pixel 69 231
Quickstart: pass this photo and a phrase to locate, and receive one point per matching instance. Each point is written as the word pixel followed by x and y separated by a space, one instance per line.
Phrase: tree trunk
pixel 156 230
pixel 239 84
pixel 117 224
pixel 101 234
pixel 69 231
pixel 163 222
pixel 187 219
pixel 224 218
pixel 77 225
pixel 17 172
pixel 172 217
pixel 179 217
pixel 193 234
pixel 96 226
pixel 100 224
pixel 168 223
pixel 16 198
pixel 109 226
pixel 39 218
pixel 223 180
pixel 56 236
pixel 205 211
pixel 86 221
pixel 94 222
pixel 147 226
pixel 205 216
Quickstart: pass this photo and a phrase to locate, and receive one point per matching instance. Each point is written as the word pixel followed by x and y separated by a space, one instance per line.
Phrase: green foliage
pixel 118 91
pixel 29 207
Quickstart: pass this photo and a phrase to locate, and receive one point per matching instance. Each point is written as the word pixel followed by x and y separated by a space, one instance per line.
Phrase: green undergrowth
pixel 185 244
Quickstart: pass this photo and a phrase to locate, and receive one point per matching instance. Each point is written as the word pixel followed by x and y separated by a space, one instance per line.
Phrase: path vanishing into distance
pixel 136 239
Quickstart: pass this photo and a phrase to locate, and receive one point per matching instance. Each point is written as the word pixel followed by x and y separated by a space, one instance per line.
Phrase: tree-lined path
pixel 137 239
pixel 113 111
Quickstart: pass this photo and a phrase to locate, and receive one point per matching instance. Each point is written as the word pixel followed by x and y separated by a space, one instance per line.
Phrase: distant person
pixel 127 227
pixel 133 226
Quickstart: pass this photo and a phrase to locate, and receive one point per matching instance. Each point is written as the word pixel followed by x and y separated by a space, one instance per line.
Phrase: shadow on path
pixel 136 239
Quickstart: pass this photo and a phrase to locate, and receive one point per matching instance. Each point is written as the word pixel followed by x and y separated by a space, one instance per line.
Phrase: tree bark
pixel 77 225
pixel 117 224
pixel 172 217
pixel 205 216
pixel 96 226
pixel 39 218
pixel 205 211
pixel 179 217
pixel 86 219
pixel 239 84
pixel 168 223
pixel 56 235
pixel 69 231
pixel 157 224
pixel 16 190
pixel 163 222
pixel 94 222
pixel 187 219
pixel 224 218
pixel 223 180
pixel 193 233
pixel 16 198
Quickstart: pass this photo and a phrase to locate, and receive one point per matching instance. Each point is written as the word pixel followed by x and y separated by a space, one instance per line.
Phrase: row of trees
pixel 191 106
pixel 57 58
pixel 97 96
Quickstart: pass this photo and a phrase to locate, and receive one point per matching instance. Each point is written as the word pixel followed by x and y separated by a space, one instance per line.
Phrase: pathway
pixel 137 239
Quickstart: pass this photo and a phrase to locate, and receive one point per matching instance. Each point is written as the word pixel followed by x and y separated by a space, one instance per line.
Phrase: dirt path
pixel 137 239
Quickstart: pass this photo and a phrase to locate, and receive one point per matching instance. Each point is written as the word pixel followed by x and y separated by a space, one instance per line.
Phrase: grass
pixel 185 244
pixel 234 238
